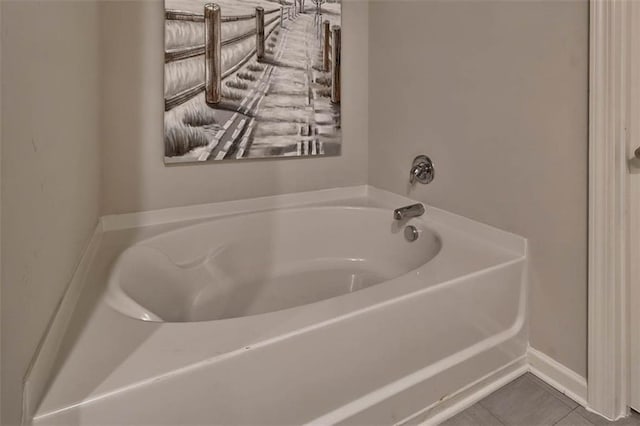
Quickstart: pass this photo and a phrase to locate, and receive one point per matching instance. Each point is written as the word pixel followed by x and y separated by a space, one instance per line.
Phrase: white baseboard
pixel 469 395
pixel 557 375
pixel 544 367
pixel 41 367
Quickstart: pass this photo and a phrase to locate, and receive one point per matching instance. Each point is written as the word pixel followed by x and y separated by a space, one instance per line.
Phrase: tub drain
pixel 411 233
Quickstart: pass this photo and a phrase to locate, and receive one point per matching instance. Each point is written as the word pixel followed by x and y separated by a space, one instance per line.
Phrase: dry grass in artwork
pixel 232 94
pixel 255 67
pixel 247 76
pixel 199 117
pixel 237 84
pixel 323 80
pixel 179 140
pixel 324 93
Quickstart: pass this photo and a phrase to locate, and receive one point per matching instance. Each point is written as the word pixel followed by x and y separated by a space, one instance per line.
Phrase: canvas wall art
pixel 251 79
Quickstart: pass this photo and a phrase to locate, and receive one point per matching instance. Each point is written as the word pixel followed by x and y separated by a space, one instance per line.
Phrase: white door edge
pixel 608 354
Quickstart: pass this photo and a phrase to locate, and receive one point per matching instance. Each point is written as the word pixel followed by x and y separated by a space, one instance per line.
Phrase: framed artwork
pixel 251 79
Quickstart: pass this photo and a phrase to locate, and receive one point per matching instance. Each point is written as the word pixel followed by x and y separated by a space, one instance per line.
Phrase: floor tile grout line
pixel 538 385
pixel 574 408
pixel 555 393
pixel 565 416
pixel 500 419
pixel 552 391
pixel 541 384
pixel 494 415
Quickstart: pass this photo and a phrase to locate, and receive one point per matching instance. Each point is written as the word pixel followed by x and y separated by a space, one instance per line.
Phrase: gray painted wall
pixel 496 93
pixel 50 169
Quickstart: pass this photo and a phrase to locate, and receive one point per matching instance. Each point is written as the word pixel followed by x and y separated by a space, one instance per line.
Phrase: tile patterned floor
pixel 528 401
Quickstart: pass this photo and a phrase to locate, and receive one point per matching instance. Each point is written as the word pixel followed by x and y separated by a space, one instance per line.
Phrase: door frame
pixel 633 235
pixel 610 107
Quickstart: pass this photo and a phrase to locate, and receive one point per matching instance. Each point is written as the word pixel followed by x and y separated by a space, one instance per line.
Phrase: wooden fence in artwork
pixel 331 52
pixel 211 49
pixel 213 20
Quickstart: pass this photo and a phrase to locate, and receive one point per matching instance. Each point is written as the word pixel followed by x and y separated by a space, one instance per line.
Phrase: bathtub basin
pixel 303 309
pixel 263 262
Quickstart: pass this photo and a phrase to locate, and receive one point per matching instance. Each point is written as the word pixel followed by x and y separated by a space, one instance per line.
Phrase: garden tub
pixel 303 309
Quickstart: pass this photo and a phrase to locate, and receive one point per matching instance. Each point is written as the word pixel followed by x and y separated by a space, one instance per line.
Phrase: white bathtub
pixel 308 308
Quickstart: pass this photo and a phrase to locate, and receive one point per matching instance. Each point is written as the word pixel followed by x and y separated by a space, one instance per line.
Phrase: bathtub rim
pixel 384 199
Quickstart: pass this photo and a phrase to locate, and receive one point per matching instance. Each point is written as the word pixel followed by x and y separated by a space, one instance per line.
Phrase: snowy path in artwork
pixel 287 112
pixel 286 121
pixel 226 143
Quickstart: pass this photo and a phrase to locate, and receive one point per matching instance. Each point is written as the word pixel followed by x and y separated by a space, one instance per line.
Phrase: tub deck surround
pixel 444 312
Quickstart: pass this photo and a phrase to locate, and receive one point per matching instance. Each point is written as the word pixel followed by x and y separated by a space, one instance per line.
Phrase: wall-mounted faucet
pixel 414 210
pixel 421 170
